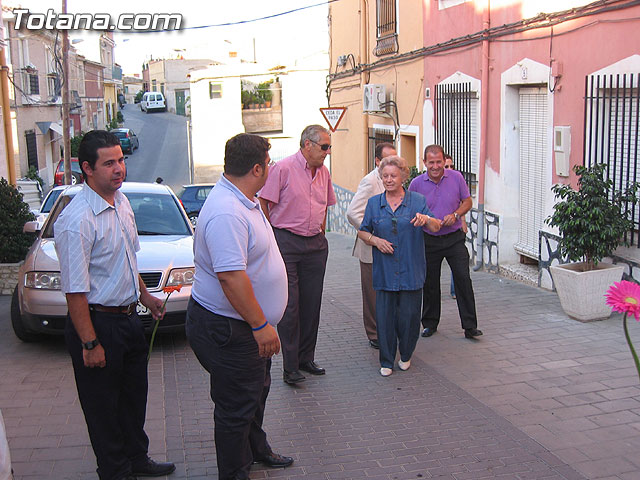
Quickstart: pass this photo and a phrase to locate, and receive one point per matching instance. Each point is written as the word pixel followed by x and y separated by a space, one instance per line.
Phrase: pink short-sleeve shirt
pixel 299 201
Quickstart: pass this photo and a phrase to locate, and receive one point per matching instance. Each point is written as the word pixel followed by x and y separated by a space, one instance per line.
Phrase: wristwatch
pixel 91 344
pixel 455 214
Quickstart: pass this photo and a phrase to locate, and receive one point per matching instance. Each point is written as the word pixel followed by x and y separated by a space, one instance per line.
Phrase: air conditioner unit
pixel 374 95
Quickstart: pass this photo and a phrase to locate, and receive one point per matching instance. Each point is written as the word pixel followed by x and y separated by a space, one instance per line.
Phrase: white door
pixel 533 120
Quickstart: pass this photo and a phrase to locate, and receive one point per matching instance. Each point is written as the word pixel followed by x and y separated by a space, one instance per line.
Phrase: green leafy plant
pixel 413 173
pixel 33 174
pixel 14 213
pixel 593 219
pixel 263 92
pixel 138 97
pixel 119 117
pixel 75 144
pixel 112 124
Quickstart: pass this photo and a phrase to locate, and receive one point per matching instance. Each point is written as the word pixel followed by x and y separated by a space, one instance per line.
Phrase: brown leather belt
pixel 124 310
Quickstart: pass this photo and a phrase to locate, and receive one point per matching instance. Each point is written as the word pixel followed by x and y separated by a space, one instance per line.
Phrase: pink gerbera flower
pixel 624 297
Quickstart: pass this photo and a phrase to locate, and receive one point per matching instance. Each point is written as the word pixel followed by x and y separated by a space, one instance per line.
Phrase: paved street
pixel 539 396
pixel 163 147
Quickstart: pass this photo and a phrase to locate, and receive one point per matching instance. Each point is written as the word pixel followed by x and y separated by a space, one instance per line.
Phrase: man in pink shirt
pixel 295 200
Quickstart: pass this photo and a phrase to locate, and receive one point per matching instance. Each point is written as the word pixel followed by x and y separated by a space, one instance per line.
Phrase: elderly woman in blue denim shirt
pixel 391 225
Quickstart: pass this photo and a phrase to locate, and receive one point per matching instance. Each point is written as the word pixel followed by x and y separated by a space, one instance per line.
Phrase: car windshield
pixel 156 214
pixel 50 200
pixel 120 134
pixel 75 167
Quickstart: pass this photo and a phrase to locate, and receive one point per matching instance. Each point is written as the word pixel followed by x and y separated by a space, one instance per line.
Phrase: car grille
pixel 151 279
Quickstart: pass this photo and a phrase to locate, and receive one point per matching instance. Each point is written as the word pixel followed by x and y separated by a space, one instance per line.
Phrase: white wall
pixel 214 121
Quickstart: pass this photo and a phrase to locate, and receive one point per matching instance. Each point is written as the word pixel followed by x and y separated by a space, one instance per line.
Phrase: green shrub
pixel 75 144
pixel 33 174
pixel 119 117
pixel 14 213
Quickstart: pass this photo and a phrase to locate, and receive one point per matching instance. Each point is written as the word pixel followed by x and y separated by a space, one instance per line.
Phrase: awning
pixel 45 126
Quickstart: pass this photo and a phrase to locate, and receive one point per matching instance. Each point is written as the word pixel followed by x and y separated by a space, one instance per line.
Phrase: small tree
pixel 593 219
pixel 14 213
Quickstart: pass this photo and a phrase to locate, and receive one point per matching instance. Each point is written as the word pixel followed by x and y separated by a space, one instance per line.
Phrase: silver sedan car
pixel 165 259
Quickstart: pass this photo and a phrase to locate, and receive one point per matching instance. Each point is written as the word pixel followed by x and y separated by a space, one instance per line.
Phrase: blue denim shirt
pixel 406 269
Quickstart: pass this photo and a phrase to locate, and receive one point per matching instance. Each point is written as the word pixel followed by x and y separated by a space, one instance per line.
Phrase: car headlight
pixel 43 280
pixel 180 276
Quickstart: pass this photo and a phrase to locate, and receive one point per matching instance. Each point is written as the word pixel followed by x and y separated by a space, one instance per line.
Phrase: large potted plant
pixel 592 222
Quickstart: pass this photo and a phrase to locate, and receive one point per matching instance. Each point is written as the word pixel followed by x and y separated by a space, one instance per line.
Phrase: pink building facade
pixel 511 94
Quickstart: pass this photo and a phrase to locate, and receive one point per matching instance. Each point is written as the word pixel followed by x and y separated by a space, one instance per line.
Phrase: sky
pixel 282 40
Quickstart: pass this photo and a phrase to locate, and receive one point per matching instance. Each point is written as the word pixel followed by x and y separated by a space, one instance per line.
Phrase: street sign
pixel 333 116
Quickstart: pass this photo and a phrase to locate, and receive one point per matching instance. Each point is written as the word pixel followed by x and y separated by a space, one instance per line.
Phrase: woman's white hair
pixel 395 161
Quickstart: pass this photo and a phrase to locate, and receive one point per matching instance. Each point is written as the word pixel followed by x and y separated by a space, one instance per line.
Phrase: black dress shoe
pixel 374 344
pixel 275 460
pixel 151 468
pixel 472 332
pixel 313 368
pixel 427 332
pixel 292 377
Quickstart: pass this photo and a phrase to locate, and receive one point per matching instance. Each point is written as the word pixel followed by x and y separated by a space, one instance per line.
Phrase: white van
pixel 153 101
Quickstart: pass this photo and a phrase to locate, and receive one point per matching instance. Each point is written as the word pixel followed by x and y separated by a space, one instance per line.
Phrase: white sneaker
pixel 404 366
pixel 385 372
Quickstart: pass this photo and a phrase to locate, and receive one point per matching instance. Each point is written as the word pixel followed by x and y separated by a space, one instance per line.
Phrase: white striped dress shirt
pixel 96 245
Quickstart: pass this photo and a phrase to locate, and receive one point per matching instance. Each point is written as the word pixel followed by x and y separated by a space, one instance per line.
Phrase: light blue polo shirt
pixel 233 234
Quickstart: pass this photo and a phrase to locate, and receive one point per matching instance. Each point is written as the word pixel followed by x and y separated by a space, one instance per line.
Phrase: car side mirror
pixel 32 227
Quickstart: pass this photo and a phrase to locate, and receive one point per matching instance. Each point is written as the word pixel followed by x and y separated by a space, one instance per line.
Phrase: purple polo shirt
pixel 444 197
pixel 299 200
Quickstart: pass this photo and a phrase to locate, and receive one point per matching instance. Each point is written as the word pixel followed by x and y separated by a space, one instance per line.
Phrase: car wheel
pixel 193 218
pixel 75 179
pixel 16 321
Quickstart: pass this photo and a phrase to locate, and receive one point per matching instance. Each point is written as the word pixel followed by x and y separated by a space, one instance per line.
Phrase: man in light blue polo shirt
pixel 238 296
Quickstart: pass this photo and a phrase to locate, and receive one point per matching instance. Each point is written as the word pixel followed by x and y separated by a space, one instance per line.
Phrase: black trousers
pixel 114 398
pixel 240 382
pixel 450 246
pixel 306 261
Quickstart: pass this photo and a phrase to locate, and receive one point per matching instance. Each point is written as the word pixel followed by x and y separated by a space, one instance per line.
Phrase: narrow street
pixel 163 147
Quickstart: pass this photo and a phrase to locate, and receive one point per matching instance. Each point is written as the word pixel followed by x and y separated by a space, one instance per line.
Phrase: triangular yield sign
pixel 333 116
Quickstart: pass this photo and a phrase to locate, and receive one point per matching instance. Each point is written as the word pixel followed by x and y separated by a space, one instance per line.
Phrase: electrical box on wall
pixel 373 96
pixel 562 150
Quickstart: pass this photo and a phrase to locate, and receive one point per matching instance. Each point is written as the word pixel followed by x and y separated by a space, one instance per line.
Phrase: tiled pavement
pixel 539 396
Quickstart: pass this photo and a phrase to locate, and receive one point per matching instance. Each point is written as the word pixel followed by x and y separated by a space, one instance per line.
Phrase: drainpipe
pixel 484 122
pixel 364 59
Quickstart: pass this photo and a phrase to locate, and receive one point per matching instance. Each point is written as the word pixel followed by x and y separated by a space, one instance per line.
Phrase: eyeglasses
pixel 394 225
pixel 324 147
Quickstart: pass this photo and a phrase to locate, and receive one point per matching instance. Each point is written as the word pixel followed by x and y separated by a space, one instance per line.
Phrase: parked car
pixel 47 204
pixel 39 308
pixel 128 139
pixel 76 173
pixel 153 101
pixel 192 198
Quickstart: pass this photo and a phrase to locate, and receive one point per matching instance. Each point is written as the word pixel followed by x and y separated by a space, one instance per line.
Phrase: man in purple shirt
pixel 448 198
pixel 295 199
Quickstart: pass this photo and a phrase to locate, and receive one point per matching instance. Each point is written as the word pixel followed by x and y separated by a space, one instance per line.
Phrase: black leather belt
pixel 124 310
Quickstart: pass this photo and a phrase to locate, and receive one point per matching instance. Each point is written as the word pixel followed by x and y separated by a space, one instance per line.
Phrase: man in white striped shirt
pixel 96 242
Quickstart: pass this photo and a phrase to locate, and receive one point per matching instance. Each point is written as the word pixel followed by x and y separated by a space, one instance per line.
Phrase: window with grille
pixel 612 131
pixel 386 28
pixel 456 128
pixel 33 86
pixel 376 136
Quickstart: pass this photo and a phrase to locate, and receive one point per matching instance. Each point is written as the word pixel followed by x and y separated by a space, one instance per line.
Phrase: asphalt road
pixel 163 147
